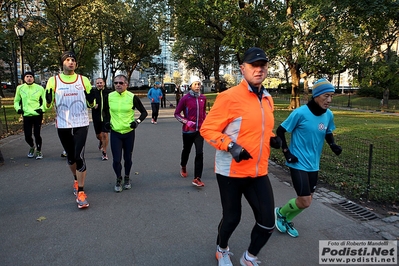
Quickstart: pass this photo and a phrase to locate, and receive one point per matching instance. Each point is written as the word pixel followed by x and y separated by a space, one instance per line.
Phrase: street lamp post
pixel 20 31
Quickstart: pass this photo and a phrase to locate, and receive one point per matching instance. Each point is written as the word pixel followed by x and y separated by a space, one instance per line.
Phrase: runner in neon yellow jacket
pixel 28 102
pixel 122 104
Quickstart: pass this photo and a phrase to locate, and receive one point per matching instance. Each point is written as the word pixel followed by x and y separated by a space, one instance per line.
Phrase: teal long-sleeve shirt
pixel 29 98
pixel 121 110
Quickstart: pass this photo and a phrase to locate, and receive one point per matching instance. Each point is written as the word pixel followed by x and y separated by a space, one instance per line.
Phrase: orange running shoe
pixel 252 262
pixel 75 188
pixel 223 257
pixel 82 200
pixel 197 182
pixel 183 171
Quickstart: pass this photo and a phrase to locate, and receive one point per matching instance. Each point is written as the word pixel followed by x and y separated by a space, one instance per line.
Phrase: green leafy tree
pixel 200 28
pixel 375 28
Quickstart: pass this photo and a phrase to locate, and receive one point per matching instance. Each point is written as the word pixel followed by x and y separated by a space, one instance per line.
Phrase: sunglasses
pixel 120 83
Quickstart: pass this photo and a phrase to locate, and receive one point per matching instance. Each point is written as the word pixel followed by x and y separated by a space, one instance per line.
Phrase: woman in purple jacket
pixel 193 107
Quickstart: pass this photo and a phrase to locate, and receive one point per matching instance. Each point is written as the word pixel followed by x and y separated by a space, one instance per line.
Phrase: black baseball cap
pixel 254 54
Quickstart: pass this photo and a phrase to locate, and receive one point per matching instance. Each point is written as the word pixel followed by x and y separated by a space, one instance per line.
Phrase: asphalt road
pixel 162 220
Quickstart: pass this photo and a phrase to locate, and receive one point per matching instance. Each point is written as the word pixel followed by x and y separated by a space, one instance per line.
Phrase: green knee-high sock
pixel 292 214
pixel 290 210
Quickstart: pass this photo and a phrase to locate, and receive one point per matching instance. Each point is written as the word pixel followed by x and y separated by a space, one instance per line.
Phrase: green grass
pixel 356 131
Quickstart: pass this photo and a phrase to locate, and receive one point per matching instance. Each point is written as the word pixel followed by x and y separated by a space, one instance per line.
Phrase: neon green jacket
pixel 29 98
pixel 121 110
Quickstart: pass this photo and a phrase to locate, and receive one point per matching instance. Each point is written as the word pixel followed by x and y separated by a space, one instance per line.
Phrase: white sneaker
pixel 245 262
pixel 223 257
pixel 39 155
pixel 31 152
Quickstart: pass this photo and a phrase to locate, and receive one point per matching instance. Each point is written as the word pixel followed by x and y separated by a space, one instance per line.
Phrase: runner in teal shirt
pixel 309 126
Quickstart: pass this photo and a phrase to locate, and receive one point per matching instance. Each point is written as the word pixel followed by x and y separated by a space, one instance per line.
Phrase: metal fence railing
pixel 347 103
pixel 368 171
pixel 364 171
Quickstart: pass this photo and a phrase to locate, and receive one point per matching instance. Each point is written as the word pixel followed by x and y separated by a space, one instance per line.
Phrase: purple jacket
pixel 194 109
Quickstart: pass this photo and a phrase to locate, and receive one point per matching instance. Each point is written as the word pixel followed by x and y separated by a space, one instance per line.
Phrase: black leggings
pixel 122 142
pixel 188 140
pixel 155 111
pixel 259 194
pixel 304 182
pixel 36 123
pixel 74 140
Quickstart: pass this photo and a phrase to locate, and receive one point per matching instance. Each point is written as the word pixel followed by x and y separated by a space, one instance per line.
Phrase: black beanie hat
pixel 28 73
pixel 67 54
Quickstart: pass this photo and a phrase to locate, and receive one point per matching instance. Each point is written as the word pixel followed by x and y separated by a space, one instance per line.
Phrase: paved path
pixel 162 220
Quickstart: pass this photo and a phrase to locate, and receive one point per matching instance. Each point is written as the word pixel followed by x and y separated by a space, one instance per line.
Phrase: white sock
pixel 249 258
pixel 223 249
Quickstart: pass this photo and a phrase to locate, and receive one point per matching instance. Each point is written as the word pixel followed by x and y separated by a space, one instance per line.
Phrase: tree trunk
pixel 295 78
pixel 216 67
pixel 306 85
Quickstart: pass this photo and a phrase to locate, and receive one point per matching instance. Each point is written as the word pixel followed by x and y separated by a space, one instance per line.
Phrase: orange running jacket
pixel 239 116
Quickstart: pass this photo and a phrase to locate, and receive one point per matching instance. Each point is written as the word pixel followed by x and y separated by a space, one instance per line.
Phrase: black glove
pixel 49 96
pixel 336 149
pixel 90 96
pixel 39 111
pixel 20 111
pixel 239 153
pixel 134 124
pixel 275 142
pixel 107 126
pixel 290 157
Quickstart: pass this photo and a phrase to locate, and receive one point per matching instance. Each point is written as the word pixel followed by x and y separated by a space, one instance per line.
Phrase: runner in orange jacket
pixel 240 126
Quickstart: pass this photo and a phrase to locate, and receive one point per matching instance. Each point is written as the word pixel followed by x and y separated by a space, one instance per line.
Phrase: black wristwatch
pixel 231 144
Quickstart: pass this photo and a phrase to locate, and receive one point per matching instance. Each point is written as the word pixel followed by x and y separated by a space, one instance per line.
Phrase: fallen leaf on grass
pixel 41 218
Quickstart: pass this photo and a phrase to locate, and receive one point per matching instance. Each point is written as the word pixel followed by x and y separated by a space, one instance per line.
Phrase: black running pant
pixel 188 140
pixel 74 140
pixel 155 111
pixel 259 194
pixel 36 123
pixel 122 143
pixel 304 182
